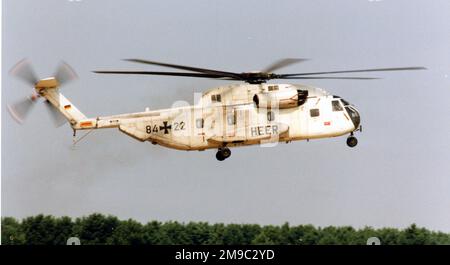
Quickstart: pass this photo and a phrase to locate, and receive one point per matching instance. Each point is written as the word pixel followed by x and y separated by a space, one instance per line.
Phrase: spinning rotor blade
pixel 20 110
pixel 64 73
pixel 24 71
pixel 200 75
pixel 329 77
pixel 188 68
pixel 253 77
pixel 56 116
pixel 356 71
pixel 282 63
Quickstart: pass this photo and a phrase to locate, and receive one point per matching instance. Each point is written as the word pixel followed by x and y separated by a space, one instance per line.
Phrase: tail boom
pixel 48 88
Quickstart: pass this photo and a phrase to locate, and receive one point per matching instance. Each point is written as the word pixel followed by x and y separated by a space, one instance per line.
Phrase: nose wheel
pixel 352 141
pixel 223 153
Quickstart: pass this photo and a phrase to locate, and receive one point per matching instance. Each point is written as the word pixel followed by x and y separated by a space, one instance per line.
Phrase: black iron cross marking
pixel 166 127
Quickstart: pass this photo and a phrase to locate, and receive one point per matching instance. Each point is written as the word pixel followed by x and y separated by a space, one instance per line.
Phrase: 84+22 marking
pixel 177 127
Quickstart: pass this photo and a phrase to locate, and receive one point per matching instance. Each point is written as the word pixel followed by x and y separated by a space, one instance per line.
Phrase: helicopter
pixel 233 115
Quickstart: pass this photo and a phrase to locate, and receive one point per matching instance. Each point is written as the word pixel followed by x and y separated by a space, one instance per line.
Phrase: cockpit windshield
pixel 345 102
pixel 354 115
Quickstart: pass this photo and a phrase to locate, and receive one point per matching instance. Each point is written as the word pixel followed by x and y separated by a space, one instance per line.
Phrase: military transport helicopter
pixel 226 116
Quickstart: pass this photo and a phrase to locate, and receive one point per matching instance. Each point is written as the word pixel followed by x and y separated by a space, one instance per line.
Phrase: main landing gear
pixel 223 153
pixel 352 141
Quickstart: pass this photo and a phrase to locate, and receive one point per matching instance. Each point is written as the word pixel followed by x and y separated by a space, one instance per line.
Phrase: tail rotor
pixel 24 71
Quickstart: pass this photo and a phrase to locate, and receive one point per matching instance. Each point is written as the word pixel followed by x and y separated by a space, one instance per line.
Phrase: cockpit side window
pixel 314 112
pixel 272 88
pixel 336 105
pixel 216 98
pixel 345 102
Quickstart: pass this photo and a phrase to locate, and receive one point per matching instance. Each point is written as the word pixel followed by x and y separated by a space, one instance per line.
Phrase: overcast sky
pixel 397 175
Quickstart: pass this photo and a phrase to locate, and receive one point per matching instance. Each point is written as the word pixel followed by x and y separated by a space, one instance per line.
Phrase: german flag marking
pixel 67 106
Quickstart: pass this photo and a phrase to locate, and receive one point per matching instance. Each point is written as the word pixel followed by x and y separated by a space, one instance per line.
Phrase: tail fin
pixel 49 89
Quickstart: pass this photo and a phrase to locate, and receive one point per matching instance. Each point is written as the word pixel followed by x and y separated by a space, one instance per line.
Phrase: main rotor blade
pixel 64 73
pixel 200 75
pixel 57 118
pixel 20 110
pixel 188 68
pixel 328 77
pixel 282 63
pixel 24 71
pixel 357 71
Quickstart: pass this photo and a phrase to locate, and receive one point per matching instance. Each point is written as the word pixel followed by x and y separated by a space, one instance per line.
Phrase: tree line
pixel 98 229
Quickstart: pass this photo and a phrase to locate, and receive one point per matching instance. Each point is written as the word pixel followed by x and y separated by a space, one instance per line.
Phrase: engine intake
pixel 281 99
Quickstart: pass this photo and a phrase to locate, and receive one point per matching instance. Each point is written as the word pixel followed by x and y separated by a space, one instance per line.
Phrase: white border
pixel 1 59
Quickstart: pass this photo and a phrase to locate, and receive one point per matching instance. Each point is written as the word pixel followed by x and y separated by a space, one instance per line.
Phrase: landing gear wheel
pixel 223 153
pixel 352 141
pixel 219 156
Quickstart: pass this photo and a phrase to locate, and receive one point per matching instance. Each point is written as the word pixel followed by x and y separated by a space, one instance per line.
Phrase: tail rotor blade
pixel 24 71
pixel 57 118
pixel 64 73
pixel 20 110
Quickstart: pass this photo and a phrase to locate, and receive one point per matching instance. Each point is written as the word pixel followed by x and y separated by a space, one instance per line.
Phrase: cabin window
pixel 270 116
pixel 336 105
pixel 272 88
pixel 199 123
pixel 231 118
pixel 216 98
pixel 314 112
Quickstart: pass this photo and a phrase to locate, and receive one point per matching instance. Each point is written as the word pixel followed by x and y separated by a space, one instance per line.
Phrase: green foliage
pixel 11 232
pixel 198 233
pixel 173 233
pixel 98 229
pixel 95 229
pixel 39 230
pixel 269 235
pixel 127 233
pixel 416 236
